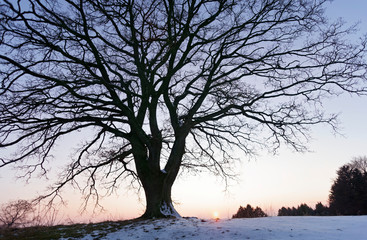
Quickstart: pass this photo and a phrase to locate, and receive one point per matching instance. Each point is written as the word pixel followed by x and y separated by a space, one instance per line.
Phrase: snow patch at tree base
pixel 169 210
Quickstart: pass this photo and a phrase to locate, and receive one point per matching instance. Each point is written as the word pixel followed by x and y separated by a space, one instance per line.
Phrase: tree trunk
pixel 158 183
pixel 158 196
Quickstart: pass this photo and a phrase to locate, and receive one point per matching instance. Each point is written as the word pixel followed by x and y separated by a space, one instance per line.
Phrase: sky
pixel 269 181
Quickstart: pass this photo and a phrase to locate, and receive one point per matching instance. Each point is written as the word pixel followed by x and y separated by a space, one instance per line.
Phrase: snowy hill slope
pixel 279 228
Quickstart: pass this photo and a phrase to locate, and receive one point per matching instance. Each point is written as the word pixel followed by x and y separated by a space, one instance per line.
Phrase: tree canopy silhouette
pixel 348 194
pixel 304 210
pixel 249 212
pixel 165 85
pixel 18 213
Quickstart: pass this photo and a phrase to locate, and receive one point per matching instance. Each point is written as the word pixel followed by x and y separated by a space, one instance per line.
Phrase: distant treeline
pixel 305 210
pixel 301 210
pixel 348 196
pixel 249 212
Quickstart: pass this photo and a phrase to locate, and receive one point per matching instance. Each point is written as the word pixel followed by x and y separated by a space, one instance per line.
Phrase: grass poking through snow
pixel 74 231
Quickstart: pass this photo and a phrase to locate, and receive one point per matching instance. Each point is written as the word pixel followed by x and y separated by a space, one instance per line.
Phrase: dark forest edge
pixel 348 196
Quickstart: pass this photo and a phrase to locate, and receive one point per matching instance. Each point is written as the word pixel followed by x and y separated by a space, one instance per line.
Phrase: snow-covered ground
pixel 279 228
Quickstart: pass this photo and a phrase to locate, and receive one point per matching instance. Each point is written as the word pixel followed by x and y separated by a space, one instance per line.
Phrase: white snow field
pixel 278 228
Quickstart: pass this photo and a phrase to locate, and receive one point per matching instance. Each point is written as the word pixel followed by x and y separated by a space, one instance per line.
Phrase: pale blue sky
pixel 287 179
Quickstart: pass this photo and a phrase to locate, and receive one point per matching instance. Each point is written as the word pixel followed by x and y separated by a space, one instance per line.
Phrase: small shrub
pixel 19 213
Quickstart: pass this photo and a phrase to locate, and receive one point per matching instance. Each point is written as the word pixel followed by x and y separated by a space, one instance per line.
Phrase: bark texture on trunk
pixel 158 197
pixel 157 183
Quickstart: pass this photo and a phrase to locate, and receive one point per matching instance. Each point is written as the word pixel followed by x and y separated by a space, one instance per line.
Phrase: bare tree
pixel 19 213
pixel 359 163
pixel 166 85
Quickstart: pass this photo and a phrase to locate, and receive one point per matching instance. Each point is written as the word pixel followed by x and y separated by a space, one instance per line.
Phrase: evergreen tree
pixel 249 212
pixel 321 210
pixel 348 194
pixel 304 210
pixel 283 211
